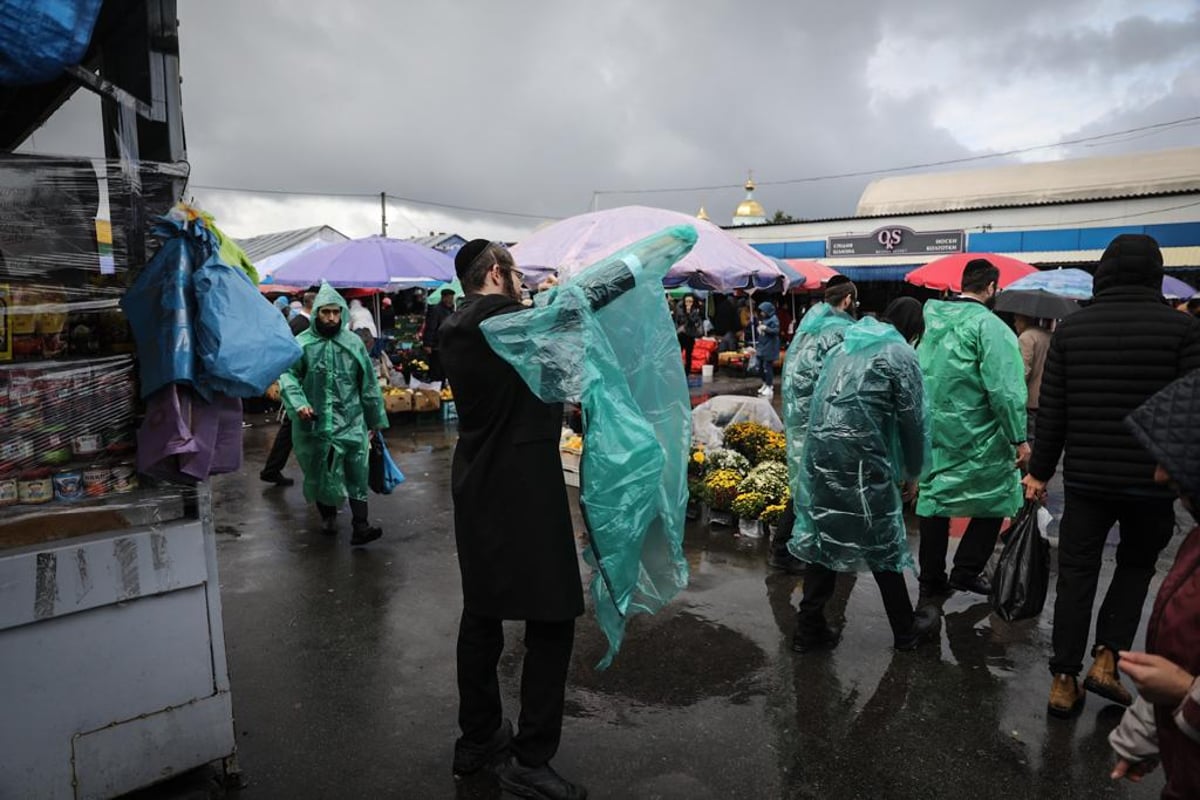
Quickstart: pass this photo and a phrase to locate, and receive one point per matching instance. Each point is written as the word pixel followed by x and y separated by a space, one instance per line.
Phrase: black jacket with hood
pixel 1104 362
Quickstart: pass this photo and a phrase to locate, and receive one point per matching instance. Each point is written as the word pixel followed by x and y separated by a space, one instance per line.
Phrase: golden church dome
pixel 750 208
pixel 749 211
pixel 702 214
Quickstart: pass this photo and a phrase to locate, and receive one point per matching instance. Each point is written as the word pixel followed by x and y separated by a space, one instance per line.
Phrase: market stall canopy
pixel 1175 289
pixel 1037 303
pixel 946 273
pixel 435 294
pixel 719 261
pixel 375 262
pixel 804 275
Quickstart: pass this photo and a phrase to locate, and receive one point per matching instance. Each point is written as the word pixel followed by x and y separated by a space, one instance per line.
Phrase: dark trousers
pixel 543 683
pixel 281 449
pixel 819 582
pixel 436 373
pixel 1146 527
pixel 768 372
pixel 972 555
pixel 358 511
pixel 687 344
pixel 783 533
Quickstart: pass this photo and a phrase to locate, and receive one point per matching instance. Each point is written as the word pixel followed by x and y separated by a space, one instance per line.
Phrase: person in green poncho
pixel 866 437
pixel 820 331
pixel 333 400
pixel 975 382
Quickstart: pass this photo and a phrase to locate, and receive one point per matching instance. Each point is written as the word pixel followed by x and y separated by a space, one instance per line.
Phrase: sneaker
pixel 762 390
pixel 277 478
pixel 541 782
pixel 769 393
pixel 1066 698
pixel 824 638
pixel 364 533
pixel 925 628
pixel 470 757
pixel 1102 678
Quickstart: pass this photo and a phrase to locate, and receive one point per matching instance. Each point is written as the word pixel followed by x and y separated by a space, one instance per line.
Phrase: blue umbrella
pixel 1073 283
pixel 375 262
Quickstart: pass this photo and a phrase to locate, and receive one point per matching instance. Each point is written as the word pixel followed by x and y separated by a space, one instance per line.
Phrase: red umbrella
pixel 815 273
pixel 946 273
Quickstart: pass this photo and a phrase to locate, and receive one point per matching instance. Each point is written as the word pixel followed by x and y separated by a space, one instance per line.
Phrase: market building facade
pixel 1053 214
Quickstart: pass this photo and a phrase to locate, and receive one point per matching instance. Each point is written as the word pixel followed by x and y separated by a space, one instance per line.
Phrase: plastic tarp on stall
pixel 712 417
pixel 39 39
pixel 604 338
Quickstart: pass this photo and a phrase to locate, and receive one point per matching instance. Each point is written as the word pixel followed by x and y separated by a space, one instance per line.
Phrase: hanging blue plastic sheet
pixel 39 38
pixel 604 338
pixel 197 320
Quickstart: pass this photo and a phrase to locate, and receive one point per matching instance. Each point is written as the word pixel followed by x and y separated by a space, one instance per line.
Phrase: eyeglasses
pixel 520 275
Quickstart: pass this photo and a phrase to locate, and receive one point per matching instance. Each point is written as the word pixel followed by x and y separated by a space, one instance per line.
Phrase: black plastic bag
pixel 376 476
pixel 1022 574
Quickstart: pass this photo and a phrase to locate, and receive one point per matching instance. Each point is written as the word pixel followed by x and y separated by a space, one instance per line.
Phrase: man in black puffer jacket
pixel 1104 362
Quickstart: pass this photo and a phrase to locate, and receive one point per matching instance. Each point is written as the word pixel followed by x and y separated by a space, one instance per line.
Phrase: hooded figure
pixel 1104 361
pixel 333 400
pixel 767 346
pixel 866 435
pixel 1166 725
pixel 975 381
pixel 361 319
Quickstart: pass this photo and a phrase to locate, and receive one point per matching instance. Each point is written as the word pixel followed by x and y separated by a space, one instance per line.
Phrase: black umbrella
pixel 1036 303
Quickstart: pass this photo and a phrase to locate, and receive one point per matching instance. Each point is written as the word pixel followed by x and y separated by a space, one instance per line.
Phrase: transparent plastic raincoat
pixel 604 338
pixel 820 331
pixel 975 382
pixel 867 432
pixel 335 377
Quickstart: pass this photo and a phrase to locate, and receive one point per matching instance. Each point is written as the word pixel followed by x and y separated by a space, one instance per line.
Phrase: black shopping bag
pixel 1022 574
pixel 376 469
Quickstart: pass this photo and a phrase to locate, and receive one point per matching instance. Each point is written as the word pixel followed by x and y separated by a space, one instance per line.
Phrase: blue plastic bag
pixel 38 39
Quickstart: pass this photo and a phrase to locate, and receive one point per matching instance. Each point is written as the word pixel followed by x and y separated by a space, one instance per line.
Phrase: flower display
pixel 772 513
pixel 728 460
pixel 747 438
pixel 770 478
pixel 697 462
pixel 721 487
pixel 774 448
pixel 749 505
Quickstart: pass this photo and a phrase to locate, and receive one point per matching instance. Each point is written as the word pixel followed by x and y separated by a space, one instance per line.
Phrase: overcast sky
pixel 531 107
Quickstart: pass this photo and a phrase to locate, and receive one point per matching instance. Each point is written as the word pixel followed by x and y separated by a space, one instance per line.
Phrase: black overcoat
pixel 512 524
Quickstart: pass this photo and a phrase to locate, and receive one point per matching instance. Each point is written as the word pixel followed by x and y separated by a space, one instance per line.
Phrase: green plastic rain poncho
pixel 335 377
pixel 867 432
pixel 820 331
pixel 975 382
pixel 604 338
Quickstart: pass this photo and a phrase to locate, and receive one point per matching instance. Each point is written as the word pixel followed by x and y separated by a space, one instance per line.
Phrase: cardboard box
pixel 398 402
pixel 427 400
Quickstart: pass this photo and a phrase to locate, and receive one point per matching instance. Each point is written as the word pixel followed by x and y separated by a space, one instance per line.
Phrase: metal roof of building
pixel 1173 258
pixel 1072 180
pixel 268 244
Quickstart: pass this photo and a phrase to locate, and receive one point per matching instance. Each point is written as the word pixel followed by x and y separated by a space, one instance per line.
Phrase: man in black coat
pixel 281 448
pixel 516 545
pixel 435 315
pixel 1104 362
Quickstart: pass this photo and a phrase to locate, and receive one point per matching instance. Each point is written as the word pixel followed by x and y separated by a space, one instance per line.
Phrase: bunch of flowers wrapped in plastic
pixel 721 488
pixel 772 513
pixel 697 462
pixel 728 460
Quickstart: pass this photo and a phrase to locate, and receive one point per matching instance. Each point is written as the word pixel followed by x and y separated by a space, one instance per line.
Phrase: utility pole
pixel 383 213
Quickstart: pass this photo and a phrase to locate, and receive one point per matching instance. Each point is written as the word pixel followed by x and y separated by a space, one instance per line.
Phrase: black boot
pixel 809 638
pixel 538 782
pixel 925 628
pixel 470 757
pixel 364 533
pixel 328 519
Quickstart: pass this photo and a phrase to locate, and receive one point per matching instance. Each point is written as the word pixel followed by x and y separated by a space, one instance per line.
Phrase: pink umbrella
pixel 946 273
pixel 719 261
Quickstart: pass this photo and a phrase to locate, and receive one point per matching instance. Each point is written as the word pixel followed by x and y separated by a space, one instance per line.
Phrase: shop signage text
pixel 897 240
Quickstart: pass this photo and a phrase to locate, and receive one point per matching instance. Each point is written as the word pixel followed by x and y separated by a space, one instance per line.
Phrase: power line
pixel 1157 127
pixel 370 195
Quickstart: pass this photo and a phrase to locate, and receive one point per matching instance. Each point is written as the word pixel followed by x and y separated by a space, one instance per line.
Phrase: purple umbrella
pixel 1175 289
pixel 375 262
pixel 719 261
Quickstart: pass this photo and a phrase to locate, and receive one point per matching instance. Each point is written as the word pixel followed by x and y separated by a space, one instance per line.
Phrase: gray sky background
pixel 532 106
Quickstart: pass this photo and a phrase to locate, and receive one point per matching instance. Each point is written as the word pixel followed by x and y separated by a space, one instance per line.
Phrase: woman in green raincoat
pixel 975 381
pixel 867 435
pixel 333 399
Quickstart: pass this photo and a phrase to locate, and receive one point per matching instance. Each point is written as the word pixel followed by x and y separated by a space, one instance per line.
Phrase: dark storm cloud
pixel 532 106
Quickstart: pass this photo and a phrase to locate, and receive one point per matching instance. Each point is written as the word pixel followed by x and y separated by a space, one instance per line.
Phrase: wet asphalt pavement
pixel 342 664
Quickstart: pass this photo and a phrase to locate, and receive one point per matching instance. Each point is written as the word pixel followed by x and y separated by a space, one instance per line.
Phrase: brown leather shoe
pixel 1102 678
pixel 1066 698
